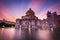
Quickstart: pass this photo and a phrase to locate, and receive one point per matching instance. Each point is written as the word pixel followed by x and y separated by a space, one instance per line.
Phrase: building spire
pixel 29 8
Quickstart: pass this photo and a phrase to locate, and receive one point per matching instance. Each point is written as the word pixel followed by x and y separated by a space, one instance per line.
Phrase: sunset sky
pixel 13 9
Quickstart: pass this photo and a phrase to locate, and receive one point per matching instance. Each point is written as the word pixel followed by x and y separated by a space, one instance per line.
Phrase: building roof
pixel 30 12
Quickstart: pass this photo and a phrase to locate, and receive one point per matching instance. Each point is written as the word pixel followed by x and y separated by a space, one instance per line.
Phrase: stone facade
pixel 53 19
pixel 28 20
pixel 31 21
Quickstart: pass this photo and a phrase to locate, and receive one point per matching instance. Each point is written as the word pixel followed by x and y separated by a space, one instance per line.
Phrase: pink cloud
pixel 34 4
pixel 4 14
pixel 55 7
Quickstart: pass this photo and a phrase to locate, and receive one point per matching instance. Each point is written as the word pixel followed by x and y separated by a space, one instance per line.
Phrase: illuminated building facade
pixel 53 19
pixel 28 20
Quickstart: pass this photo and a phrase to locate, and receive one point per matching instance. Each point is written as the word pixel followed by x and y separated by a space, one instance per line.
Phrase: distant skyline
pixel 13 9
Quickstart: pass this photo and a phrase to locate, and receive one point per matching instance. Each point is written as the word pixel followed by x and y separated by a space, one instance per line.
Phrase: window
pixel 59 21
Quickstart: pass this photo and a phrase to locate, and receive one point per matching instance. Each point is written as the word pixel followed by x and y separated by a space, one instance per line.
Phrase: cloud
pixel 34 4
pixel 52 8
pixel 4 14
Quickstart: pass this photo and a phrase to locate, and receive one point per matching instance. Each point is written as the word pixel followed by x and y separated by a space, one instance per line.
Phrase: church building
pixel 29 20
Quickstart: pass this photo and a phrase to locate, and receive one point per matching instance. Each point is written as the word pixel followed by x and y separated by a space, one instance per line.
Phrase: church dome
pixel 30 12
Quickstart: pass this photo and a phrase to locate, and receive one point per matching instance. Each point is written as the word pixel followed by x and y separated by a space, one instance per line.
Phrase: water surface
pixel 18 34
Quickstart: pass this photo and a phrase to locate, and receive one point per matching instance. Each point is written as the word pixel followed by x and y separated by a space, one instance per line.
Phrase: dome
pixel 30 12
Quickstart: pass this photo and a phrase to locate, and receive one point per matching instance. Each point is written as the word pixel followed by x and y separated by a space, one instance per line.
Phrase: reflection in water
pixel 18 34
pixel 43 34
pixel 29 30
pixel 7 33
pixel 52 29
